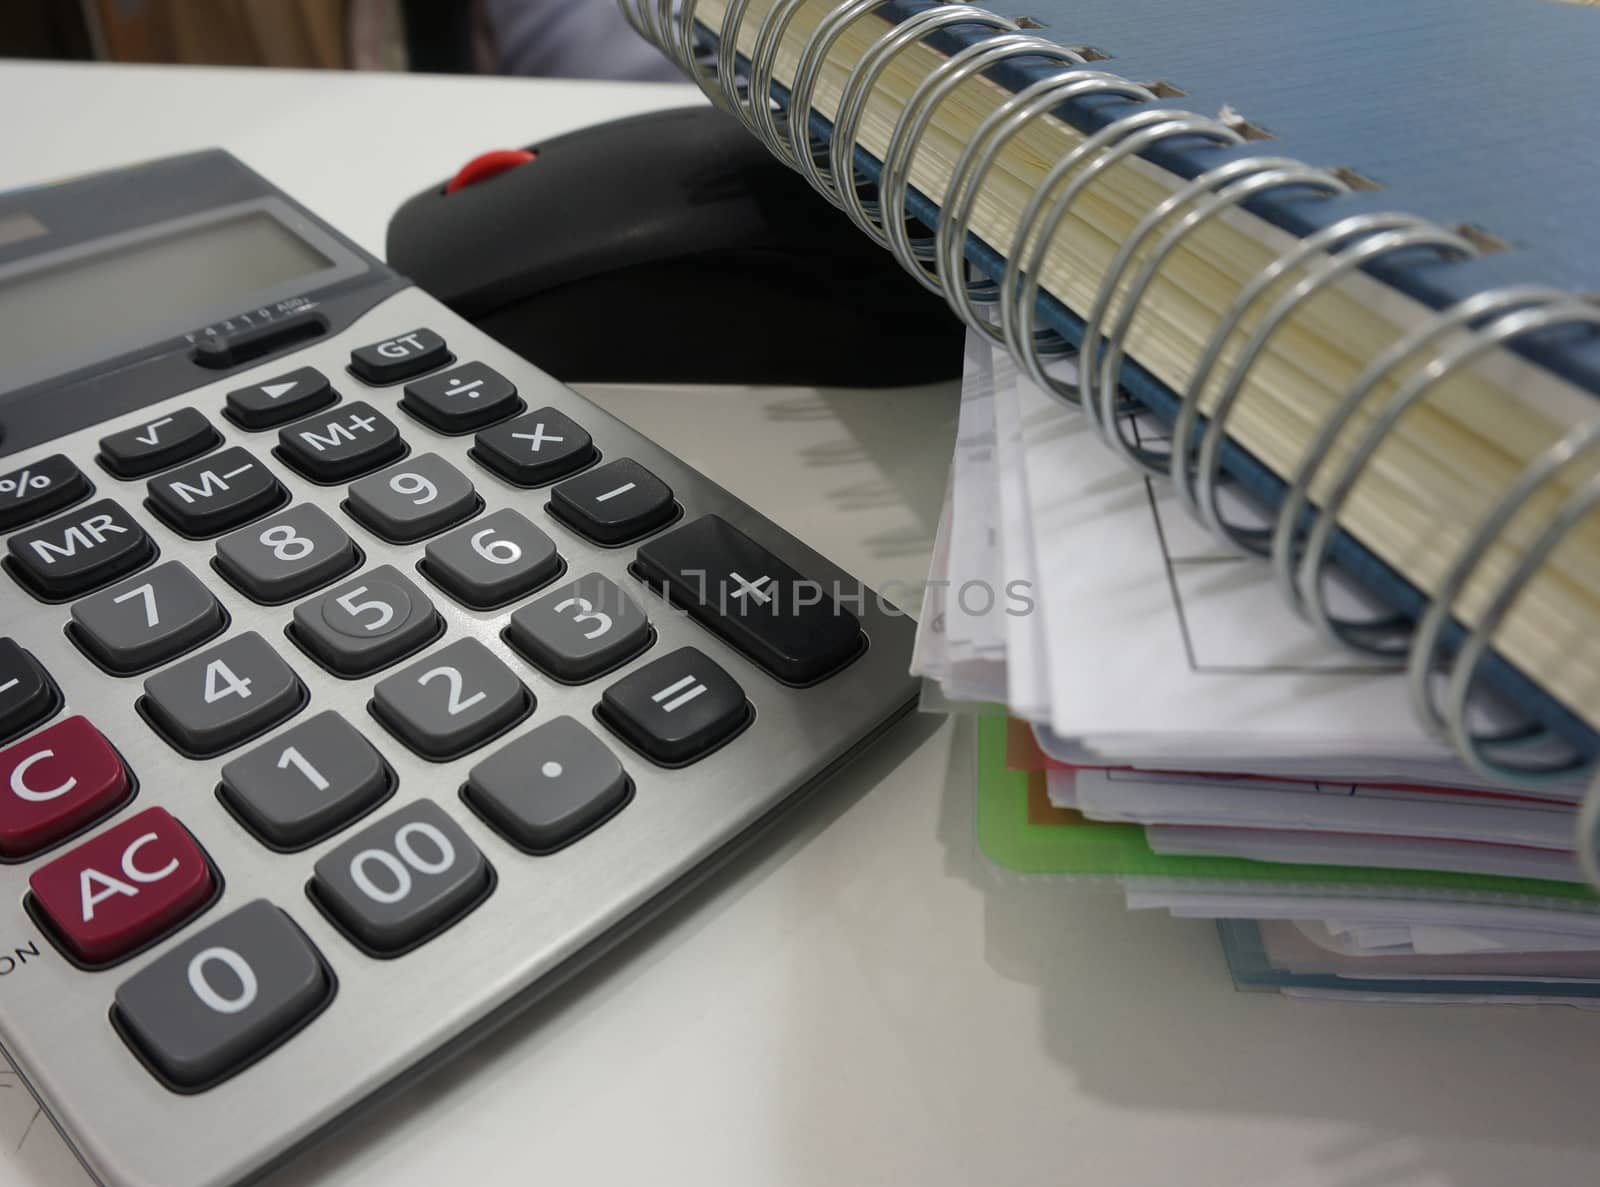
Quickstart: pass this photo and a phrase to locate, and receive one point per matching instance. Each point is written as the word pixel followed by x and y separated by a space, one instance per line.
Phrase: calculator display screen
pixel 141 286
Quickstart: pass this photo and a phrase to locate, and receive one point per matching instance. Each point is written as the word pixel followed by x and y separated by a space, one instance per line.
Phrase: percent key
pixel 39 488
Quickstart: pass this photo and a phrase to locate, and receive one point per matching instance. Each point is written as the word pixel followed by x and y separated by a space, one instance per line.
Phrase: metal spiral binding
pixel 1299 559
pixel 1469 657
pixel 761 115
pixel 895 184
pixel 807 154
pixel 1258 175
pixel 1116 141
pixel 978 157
pixel 841 183
pixel 1199 491
pixel 1299 541
pixel 1240 181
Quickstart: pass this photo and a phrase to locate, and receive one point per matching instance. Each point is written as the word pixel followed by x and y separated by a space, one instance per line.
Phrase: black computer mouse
pixel 670 247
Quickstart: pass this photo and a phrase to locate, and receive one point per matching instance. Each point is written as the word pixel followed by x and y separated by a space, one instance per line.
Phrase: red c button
pixel 54 783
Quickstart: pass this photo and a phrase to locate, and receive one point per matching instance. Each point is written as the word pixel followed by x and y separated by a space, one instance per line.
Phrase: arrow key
pixel 158 443
pixel 280 399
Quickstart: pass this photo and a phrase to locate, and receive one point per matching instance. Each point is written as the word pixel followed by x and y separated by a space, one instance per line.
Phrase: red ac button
pixel 54 783
pixel 126 886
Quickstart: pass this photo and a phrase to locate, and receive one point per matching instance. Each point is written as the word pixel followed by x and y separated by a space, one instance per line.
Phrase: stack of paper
pixel 1176 727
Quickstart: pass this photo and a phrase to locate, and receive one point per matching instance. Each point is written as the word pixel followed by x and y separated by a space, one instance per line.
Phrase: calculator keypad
pixel 306 783
pixel 401 880
pixel 462 399
pixel 535 448
pixel 287 555
pixel 81 551
pixel 581 630
pixel 162 442
pixel 676 709
pixel 208 497
pixel 54 783
pixel 400 357
pixel 614 503
pixel 223 697
pixel 122 888
pixel 39 488
pixel 451 701
pixel 398 862
pixel 337 446
pixel 367 623
pixel 280 399
pixel 418 498
pixel 790 626
pixel 549 787
pixel 147 620
pixel 27 694
pixel 223 997
pixel 493 560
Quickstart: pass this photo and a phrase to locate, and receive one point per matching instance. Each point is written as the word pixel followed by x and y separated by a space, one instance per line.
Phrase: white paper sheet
pixel 1140 798
pixel 1160 643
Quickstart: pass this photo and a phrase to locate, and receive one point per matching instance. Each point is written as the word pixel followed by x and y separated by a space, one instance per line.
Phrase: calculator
pixel 357 679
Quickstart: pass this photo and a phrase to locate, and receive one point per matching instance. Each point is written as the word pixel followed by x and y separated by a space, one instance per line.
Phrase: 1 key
pixel 306 783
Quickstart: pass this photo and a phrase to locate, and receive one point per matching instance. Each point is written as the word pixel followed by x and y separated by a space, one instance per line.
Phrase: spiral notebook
pixel 1345 250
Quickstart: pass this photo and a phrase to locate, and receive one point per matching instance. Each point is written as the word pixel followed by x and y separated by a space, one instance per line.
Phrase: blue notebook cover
pixel 1478 112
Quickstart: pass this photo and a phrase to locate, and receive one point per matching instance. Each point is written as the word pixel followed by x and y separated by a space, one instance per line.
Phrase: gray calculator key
pixel 451 701
pixel 367 622
pixel 223 697
pixel 419 497
pixel 400 881
pixel 287 555
pixel 224 997
pixel 493 560
pixel 549 787
pixel 147 620
pixel 581 630
pixel 214 494
pixel 307 783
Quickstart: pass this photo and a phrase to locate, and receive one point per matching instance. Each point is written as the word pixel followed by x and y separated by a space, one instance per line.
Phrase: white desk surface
pixel 860 999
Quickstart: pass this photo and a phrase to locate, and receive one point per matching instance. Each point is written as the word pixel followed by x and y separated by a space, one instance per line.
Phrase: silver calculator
pixel 357 679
